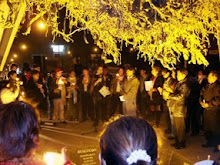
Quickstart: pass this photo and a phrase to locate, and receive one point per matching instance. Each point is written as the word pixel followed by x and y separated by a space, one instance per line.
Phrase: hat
pixel 58 70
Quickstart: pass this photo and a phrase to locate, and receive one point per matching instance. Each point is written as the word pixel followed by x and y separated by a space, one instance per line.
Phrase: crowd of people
pixel 125 141
pixel 190 101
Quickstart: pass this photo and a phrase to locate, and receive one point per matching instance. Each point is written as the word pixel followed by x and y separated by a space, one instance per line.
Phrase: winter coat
pixel 130 88
pixel 211 95
pixel 178 100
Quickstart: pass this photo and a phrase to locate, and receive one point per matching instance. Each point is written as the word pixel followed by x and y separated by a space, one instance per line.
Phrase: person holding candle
pixel 19 136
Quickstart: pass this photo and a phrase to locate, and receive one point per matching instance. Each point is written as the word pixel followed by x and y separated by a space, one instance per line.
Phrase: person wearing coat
pixel 210 101
pixel 57 91
pixel 116 89
pixel 98 98
pixel 177 102
pixel 142 94
pixel 84 84
pixel 129 93
pixel 154 98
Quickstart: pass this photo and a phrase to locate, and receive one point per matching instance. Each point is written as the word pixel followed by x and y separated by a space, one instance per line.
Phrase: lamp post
pixel 23 46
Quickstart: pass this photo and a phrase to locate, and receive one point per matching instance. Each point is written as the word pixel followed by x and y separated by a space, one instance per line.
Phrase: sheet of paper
pixel 121 98
pixel 148 85
pixel 104 91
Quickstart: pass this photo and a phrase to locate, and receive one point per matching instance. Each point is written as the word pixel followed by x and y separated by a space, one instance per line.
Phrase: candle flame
pixel 52 158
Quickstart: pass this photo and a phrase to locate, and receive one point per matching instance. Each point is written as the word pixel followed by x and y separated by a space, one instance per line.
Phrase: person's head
pixel 121 72
pixel 35 74
pixel 200 74
pixel 99 70
pixel 18 132
pixel 12 75
pixel 85 72
pixel 105 70
pixel 59 72
pixel 155 70
pixel 130 72
pixel 182 74
pixel 213 77
pixel 165 73
pixel 72 74
pixel 123 137
pixel 36 67
pixel 14 67
pixel 142 72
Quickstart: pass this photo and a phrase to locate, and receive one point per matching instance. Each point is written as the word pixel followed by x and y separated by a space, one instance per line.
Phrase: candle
pixel 53 158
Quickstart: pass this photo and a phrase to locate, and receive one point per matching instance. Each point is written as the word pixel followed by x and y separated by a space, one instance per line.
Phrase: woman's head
pixel 155 70
pixel 18 131
pixel 128 137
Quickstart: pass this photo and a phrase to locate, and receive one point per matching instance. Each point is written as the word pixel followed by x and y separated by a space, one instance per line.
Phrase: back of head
pixel 129 140
pixel 18 131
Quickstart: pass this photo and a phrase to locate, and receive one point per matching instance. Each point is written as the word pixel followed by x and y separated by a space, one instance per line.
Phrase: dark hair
pixel 34 72
pixel 183 70
pixel 11 73
pixel 125 135
pixel 13 65
pixel 19 127
pixel 36 66
pixel 215 73
pixel 165 70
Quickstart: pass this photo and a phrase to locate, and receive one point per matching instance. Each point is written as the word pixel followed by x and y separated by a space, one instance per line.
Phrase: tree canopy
pixel 160 30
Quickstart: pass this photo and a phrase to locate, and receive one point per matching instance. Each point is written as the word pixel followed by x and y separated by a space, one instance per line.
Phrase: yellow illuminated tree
pixel 160 30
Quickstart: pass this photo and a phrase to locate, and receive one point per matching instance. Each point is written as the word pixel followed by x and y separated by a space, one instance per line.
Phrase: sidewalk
pixel 84 135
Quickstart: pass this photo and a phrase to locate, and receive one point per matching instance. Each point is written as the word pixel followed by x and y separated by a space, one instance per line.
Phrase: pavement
pixel 82 135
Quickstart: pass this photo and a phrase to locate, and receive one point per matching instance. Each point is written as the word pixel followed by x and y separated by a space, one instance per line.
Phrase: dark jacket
pixel 54 91
pixel 33 92
pixel 94 90
pixel 142 93
pixel 211 95
pixel 114 85
pixel 178 100
pixel 156 97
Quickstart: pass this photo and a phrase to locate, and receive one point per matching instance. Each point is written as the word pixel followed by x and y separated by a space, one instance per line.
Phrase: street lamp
pixel 68 52
pixel 23 46
pixel 131 49
pixel 15 55
pixel 41 25
pixel 95 49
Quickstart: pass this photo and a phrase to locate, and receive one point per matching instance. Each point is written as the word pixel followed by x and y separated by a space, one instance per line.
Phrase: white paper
pixel 104 91
pixel 121 98
pixel 148 85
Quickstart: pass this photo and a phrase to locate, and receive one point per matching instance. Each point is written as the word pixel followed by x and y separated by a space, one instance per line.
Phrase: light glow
pixel 23 46
pixel 58 48
pixel 52 158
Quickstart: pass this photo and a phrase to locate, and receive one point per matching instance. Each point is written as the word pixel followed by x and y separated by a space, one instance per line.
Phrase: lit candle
pixel 53 158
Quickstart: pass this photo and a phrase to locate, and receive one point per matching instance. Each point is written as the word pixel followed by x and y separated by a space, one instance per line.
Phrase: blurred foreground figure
pixel 11 91
pixel 19 135
pixel 128 141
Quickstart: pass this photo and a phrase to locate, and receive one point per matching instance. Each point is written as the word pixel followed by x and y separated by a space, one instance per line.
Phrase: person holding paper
pixel 116 87
pixel 98 99
pixel 154 98
pixel 129 93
